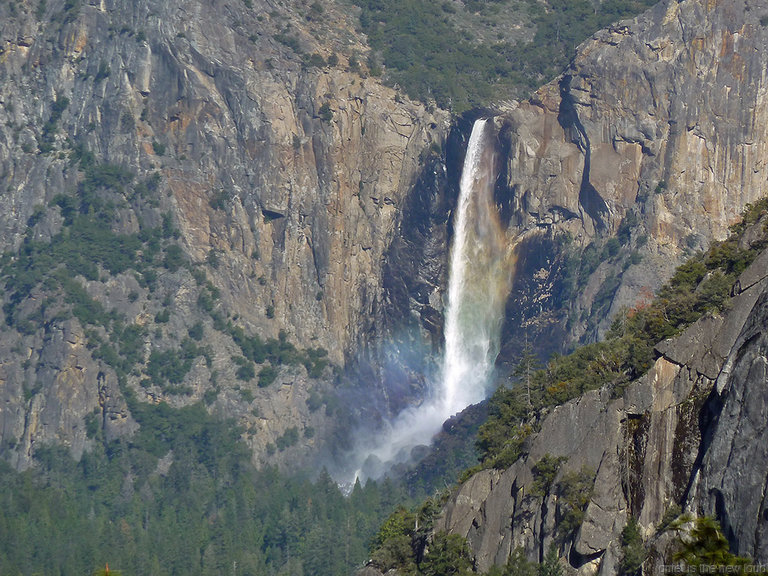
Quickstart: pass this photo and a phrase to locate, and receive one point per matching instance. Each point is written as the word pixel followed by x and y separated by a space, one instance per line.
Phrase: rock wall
pixel 296 184
pixel 654 133
pixel 284 169
pixel 731 481
pixel 309 204
pixel 683 434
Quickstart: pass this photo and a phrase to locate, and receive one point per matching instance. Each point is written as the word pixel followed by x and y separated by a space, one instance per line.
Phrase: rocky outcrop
pixel 683 434
pixel 654 134
pixel 731 480
pixel 50 395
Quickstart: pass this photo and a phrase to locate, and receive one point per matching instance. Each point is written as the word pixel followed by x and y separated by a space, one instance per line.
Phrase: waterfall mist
pixel 479 281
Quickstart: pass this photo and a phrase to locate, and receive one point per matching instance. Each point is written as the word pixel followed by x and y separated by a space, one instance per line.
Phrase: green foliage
pixel 551 565
pixel 393 546
pixel 290 41
pixel 130 341
pixel 402 522
pixel 325 113
pixel 92 425
pixel 700 286
pixel 544 473
pixel 314 400
pixel 103 72
pixel 288 438
pixel 447 555
pixel 574 491
pixel 207 297
pixel 315 361
pixel 49 128
pixel 87 310
pixel 752 214
pixel 220 200
pixel 168 368
pixel 701 543
pixel 201 509
pixel 245 370
pixel 163 316
pixel 253 347
pixel 212 259
pixel 168 229
pixel 37 214
pixel 395 552
pixel 670 515
pixel 196 331
pixel 500 438
pixel 267 375
pixel 316 10
pixel 174 258
pixel 632 549
pixel 427 55
pixel 403 540
pixel 315 60
pixel 277 351
pixel 431 57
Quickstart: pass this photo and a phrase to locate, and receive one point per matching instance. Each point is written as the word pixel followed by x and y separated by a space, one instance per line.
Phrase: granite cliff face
pixel 653 135
pixel 304 198
pixel 282 171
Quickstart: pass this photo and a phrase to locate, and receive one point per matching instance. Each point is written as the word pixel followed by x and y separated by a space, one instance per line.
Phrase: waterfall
pixel 479 282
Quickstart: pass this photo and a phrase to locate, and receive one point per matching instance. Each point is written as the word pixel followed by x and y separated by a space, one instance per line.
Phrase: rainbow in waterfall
pixel 479 282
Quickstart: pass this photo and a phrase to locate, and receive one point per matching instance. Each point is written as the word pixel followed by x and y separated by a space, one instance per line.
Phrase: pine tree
pixel 705 544
pixel 551 565
pixel 526 366
pixel 632 548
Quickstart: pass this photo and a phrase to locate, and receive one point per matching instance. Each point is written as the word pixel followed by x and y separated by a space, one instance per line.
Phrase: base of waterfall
pixel 479 278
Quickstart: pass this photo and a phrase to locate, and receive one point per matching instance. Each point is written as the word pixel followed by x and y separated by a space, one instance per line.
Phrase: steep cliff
pixel 679 436
pixel 276 167
pixel 653 135
pixel 302 202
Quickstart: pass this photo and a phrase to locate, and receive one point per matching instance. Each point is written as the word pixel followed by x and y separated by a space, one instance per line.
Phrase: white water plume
pixel 479 282
pixel 478 285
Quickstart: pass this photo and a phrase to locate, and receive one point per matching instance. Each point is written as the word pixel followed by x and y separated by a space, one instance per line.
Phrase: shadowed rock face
pixel 732 479
pixel 655 126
